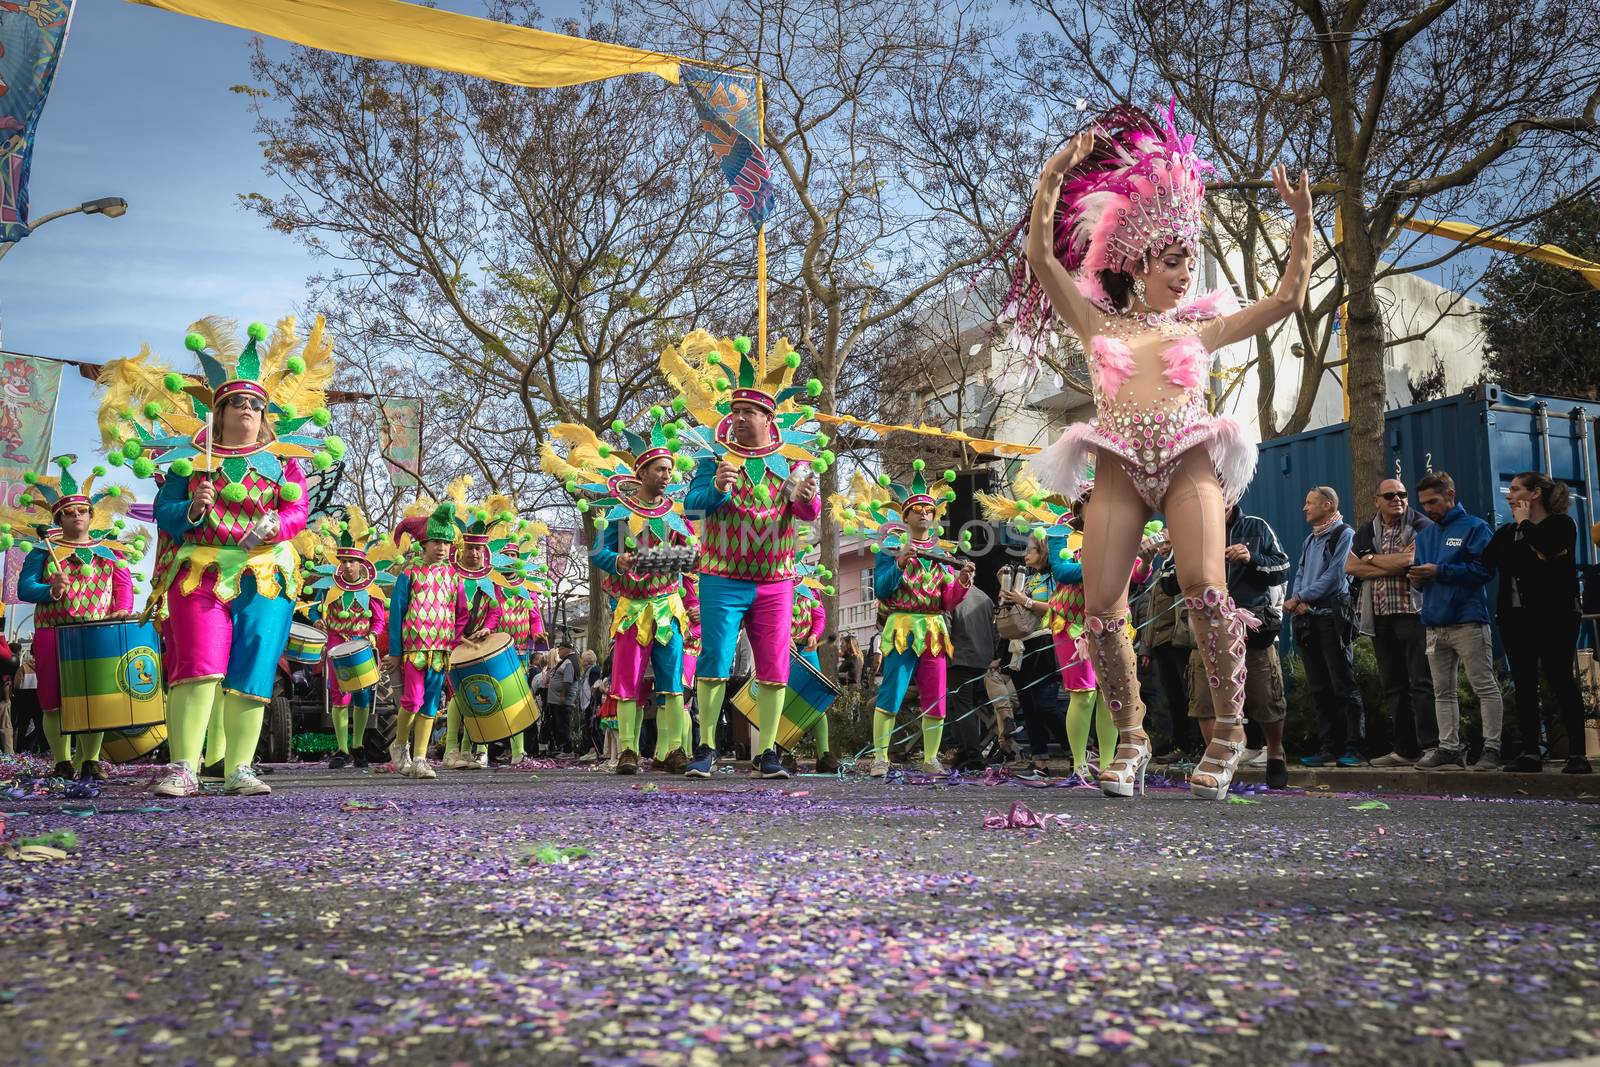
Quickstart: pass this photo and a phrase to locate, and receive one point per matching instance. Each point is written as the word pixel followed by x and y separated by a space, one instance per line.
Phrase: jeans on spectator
pixel 1172 667
pixel 1038 680
pixel 560 716
pixel 1402 650
pixel 964 717
pixel 1470 645
pixel 1543 643
pixel 1324 642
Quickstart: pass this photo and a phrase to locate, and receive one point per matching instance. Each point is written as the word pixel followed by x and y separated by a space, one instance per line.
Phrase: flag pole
pixel 761 236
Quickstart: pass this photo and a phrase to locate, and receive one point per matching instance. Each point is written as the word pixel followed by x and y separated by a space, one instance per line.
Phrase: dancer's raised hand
pixel 1297 196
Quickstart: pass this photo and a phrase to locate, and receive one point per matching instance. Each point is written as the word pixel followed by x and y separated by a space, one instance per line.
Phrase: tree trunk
pixel 1364 371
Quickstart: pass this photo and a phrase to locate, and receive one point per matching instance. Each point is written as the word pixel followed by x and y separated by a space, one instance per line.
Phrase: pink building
pixel 858 609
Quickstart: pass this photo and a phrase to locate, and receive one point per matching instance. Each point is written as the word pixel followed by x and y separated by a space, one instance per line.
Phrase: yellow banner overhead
pixel 425 37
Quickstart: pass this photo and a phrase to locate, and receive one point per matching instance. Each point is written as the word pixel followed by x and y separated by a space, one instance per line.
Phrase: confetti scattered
pixel 1021 818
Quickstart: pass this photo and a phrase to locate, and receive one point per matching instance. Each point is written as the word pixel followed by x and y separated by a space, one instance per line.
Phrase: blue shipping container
pixel 1482 439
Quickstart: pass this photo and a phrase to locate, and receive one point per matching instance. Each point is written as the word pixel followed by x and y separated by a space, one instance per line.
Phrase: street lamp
pixel 112 207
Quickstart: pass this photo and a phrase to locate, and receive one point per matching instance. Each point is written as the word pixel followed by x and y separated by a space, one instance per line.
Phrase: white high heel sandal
pixel 1223 777
pixel 1123 773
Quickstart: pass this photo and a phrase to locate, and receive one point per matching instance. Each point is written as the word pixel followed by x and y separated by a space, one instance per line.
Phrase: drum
pixel 110 676
pixel 491 689
pixel 355 665
pixel 306 643
pixel 125 746
pixel 808 698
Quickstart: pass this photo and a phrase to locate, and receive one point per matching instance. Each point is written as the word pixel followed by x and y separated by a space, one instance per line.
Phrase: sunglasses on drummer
pixel 250 402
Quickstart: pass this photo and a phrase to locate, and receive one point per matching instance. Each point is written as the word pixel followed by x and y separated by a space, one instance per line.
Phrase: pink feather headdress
pixel 1138 190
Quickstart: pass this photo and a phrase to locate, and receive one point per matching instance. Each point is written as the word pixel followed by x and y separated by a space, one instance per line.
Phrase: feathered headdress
pixel 514 548
pixel 155 417
pixel 1138 190
pixel 32 522
pixel 710 374
pixel 598 475
pixel 337 543
pixel 876 510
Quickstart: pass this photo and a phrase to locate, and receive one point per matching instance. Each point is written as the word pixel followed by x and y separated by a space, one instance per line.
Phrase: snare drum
pixel 491 689
pixel 306 643
pixel 125 746
pixel 807 699
pixel 355 665
pixel 110 676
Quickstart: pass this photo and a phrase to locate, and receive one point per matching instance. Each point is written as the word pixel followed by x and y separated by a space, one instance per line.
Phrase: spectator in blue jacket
pixel 1325 628
pixel 1452 574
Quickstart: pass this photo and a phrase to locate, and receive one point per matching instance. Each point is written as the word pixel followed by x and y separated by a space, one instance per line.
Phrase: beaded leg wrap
pixel 1116 667
pixel 1220 628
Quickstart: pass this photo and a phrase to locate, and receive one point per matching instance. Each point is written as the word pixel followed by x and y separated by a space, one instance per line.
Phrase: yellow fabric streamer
pixel 424 37
pixel 980 443
pixel 1467 233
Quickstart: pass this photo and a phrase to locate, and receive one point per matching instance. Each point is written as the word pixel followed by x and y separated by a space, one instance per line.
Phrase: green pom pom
pixel 289 411
pixel 741 345
pixel 583 506
pixel 683 463
pixel 289 492
pixel 823 440
pixel 257 331
pixel 617 426
pixel 813 387
pixel 335 446
pixel 714 358
pixel 99 471
pixel 64 462
pixel 679 404
pixel 949 476
pixel 115 492
pixel 605 450
pixel 821 466
pixel 792 360
pixel 849 531
pixel 233 492
pixel 874 548
pixel 807 413
pixel 601 523
pixel 631 542
pixel 194 342
pixel 132 449
pixel 671 432
pixel 949 496
pixel 763 494
pixel 828 455
pixel 26 500
pixel 173 381
pixel 919 464
pixel 182 468
pixel 140 541
pixel 830 590
pixel 295 365
pixel 117 524
pixel 938 530
pixel 657 413
pixel 30 478
pixel 1063 554
pixel 143 467
pixel 1019 524
pixel 321 417
pixel 152 410
pixel 883 480
pixel 115 459
pixel 322 461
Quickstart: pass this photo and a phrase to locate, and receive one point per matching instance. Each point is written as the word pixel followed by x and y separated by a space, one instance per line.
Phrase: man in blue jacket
pixel 1450 571
pixel 1325 628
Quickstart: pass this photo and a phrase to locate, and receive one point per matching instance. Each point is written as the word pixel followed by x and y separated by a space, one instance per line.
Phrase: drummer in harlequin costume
pixel 514 551
pixel 916 581
pixel 234 449
pixel 641 510
pixel 74 573
pixel 436 602
pixel 349 603
pixel 747 502
pixel 483 592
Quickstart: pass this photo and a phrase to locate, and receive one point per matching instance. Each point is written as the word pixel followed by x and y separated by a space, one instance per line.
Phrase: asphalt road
pixel 359 918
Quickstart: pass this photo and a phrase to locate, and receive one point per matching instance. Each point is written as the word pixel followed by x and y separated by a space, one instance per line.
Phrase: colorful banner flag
pixel 28 390
pixel 400 439
pixel 32 35
pixel 726 103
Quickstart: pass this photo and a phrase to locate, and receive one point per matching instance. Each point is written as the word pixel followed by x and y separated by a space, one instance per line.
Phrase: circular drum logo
pixel 137 673
pixel 480 694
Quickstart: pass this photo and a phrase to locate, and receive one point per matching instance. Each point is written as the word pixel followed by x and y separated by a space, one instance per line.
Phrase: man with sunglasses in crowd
pixel 1390 614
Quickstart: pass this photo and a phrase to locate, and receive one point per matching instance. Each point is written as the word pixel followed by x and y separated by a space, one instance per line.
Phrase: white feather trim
pixel 1064 466
pixel 1233 455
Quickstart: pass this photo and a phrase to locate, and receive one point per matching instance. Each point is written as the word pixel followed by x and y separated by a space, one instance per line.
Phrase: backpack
pixel 1352 584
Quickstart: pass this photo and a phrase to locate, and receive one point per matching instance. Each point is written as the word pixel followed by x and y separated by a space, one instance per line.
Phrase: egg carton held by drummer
pixel 916 579
pixel 231 447
pixel 645 547
pixel 75 571
pixel 757 448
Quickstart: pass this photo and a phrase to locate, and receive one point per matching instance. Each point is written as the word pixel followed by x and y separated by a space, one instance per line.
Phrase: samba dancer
pixel 747 503
pixel 73 574
pixel 643 512
pixel 1111 248
pixel 916 581
pixel 233 497
pixel 350 604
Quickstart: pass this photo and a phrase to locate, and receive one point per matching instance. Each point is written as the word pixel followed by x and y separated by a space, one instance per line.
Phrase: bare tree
pixel 1476 109
pixel 896 153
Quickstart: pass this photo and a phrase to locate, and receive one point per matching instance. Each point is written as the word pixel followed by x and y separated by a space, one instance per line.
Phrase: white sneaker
pixel 481 760
pixel 420 768
pixel 880 768
pixel 1255 757
pixel 244 783
pixel 179 782
pixel 400 756
pixel 456 760
pixel 932 766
